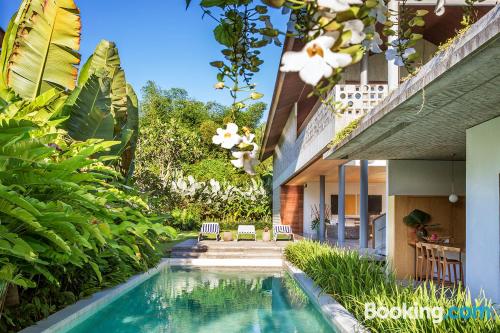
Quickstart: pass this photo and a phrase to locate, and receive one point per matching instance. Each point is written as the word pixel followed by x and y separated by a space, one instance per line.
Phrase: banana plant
pixel 40 49
pixel 103 69
pixel 40 52
pixel 63 211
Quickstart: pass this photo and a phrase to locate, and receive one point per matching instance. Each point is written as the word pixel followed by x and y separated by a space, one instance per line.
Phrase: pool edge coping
pixel 333 312
pixel 64 317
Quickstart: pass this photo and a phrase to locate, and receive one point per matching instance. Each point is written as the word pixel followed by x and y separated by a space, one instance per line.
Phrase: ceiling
pixel 329 168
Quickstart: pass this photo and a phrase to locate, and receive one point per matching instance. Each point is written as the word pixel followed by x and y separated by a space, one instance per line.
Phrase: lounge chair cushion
pixel 246 229
pixel 210 228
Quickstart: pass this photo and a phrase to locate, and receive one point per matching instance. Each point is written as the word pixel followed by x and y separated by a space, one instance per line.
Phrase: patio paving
pixel 243 249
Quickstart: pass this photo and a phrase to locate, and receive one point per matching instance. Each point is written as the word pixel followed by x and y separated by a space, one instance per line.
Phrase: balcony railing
pixel 357 100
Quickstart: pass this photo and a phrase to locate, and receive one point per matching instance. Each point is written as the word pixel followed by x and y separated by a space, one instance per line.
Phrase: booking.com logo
pixel 437 314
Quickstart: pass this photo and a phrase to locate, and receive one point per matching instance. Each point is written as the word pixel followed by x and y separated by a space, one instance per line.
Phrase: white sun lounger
pixel 281 229
pixel 210 228
pixel 246 230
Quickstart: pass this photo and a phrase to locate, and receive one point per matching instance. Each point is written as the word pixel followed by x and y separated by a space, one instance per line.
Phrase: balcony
pixel 357 100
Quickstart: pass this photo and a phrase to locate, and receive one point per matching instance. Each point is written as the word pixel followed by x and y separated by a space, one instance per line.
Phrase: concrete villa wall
pixel 311 198
pixel 423 185
pixel 292 152
pixel 424 177
pixel 483 219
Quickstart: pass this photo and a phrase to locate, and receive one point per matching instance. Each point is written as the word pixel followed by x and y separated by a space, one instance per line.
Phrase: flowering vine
pixel 335 33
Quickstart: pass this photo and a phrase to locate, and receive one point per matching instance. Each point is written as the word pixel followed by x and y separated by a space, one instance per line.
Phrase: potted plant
pixel 266 235
pixel 419 220
pixel 227 235
pixel 315 214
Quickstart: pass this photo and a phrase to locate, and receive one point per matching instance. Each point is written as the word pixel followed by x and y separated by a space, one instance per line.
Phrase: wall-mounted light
pixel 453 198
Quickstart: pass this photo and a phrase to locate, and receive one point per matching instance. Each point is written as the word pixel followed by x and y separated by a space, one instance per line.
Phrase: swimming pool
pixel 182 299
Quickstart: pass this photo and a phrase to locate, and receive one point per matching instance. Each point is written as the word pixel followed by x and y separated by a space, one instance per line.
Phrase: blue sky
pixel 159 40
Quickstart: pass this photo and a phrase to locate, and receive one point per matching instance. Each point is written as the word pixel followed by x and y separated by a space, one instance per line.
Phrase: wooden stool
pixel 447 264
pixel 431 262
pixel 420 261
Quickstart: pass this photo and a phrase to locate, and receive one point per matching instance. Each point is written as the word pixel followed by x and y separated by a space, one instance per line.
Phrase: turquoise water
pixel 180 300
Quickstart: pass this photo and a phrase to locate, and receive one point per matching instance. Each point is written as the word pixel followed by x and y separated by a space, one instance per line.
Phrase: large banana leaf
pixel 90 116
pixel 16 24
pixel 44 54
pixel 106 59
pixel 132 125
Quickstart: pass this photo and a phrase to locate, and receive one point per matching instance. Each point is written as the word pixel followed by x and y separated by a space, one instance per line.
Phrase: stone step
pixel 229 249
pixel 232 251
pixel 210 255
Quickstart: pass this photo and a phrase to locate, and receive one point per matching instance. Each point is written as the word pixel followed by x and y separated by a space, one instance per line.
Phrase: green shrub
pixel 184 219
pixel 354 280
pixel 233 225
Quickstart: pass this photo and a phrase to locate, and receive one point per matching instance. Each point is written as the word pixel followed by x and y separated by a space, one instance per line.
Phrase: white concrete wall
pixel 311 198
pixel 424 177
pixel 483 205
pixel 293 152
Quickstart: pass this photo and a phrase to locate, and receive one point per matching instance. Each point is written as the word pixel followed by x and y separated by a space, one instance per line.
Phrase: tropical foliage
pixel 354 281
pixel 183 172
pixel 68 224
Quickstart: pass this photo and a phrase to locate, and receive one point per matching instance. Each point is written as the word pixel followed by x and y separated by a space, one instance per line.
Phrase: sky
pixel 159 40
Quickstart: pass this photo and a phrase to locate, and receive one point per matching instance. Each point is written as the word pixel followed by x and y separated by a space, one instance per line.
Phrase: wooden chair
pixel 420 261
pixel 446 264
pixel 431 262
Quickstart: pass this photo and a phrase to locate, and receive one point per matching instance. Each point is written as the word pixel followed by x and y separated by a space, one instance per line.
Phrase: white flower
pixel 379 12
pixel 373 44
pixel 246 160
pixel 439 9
pixel 338 5
pixel 392 54
pixel 315 61
pixel 227 138
pixel 215 185
pixel 356 27
pixel 247 139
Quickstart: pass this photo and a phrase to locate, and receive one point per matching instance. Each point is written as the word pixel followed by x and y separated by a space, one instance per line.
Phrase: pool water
pixel 181 300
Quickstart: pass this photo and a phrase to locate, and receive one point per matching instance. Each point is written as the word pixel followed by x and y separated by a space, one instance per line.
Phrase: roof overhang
pixel 428 115
pixel 288 90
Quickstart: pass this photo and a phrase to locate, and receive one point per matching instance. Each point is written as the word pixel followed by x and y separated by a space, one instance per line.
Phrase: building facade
pixel 421 139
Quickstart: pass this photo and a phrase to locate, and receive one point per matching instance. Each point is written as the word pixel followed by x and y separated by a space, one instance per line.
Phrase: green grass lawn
pixel 166 246
pixel 235 232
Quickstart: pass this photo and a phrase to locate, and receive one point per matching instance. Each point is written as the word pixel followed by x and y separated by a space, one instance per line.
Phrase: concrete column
pixel 341 203
pixel 363 205
pixel 393 70
pixel 482 210
pixel 363 78
pixel 321 208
